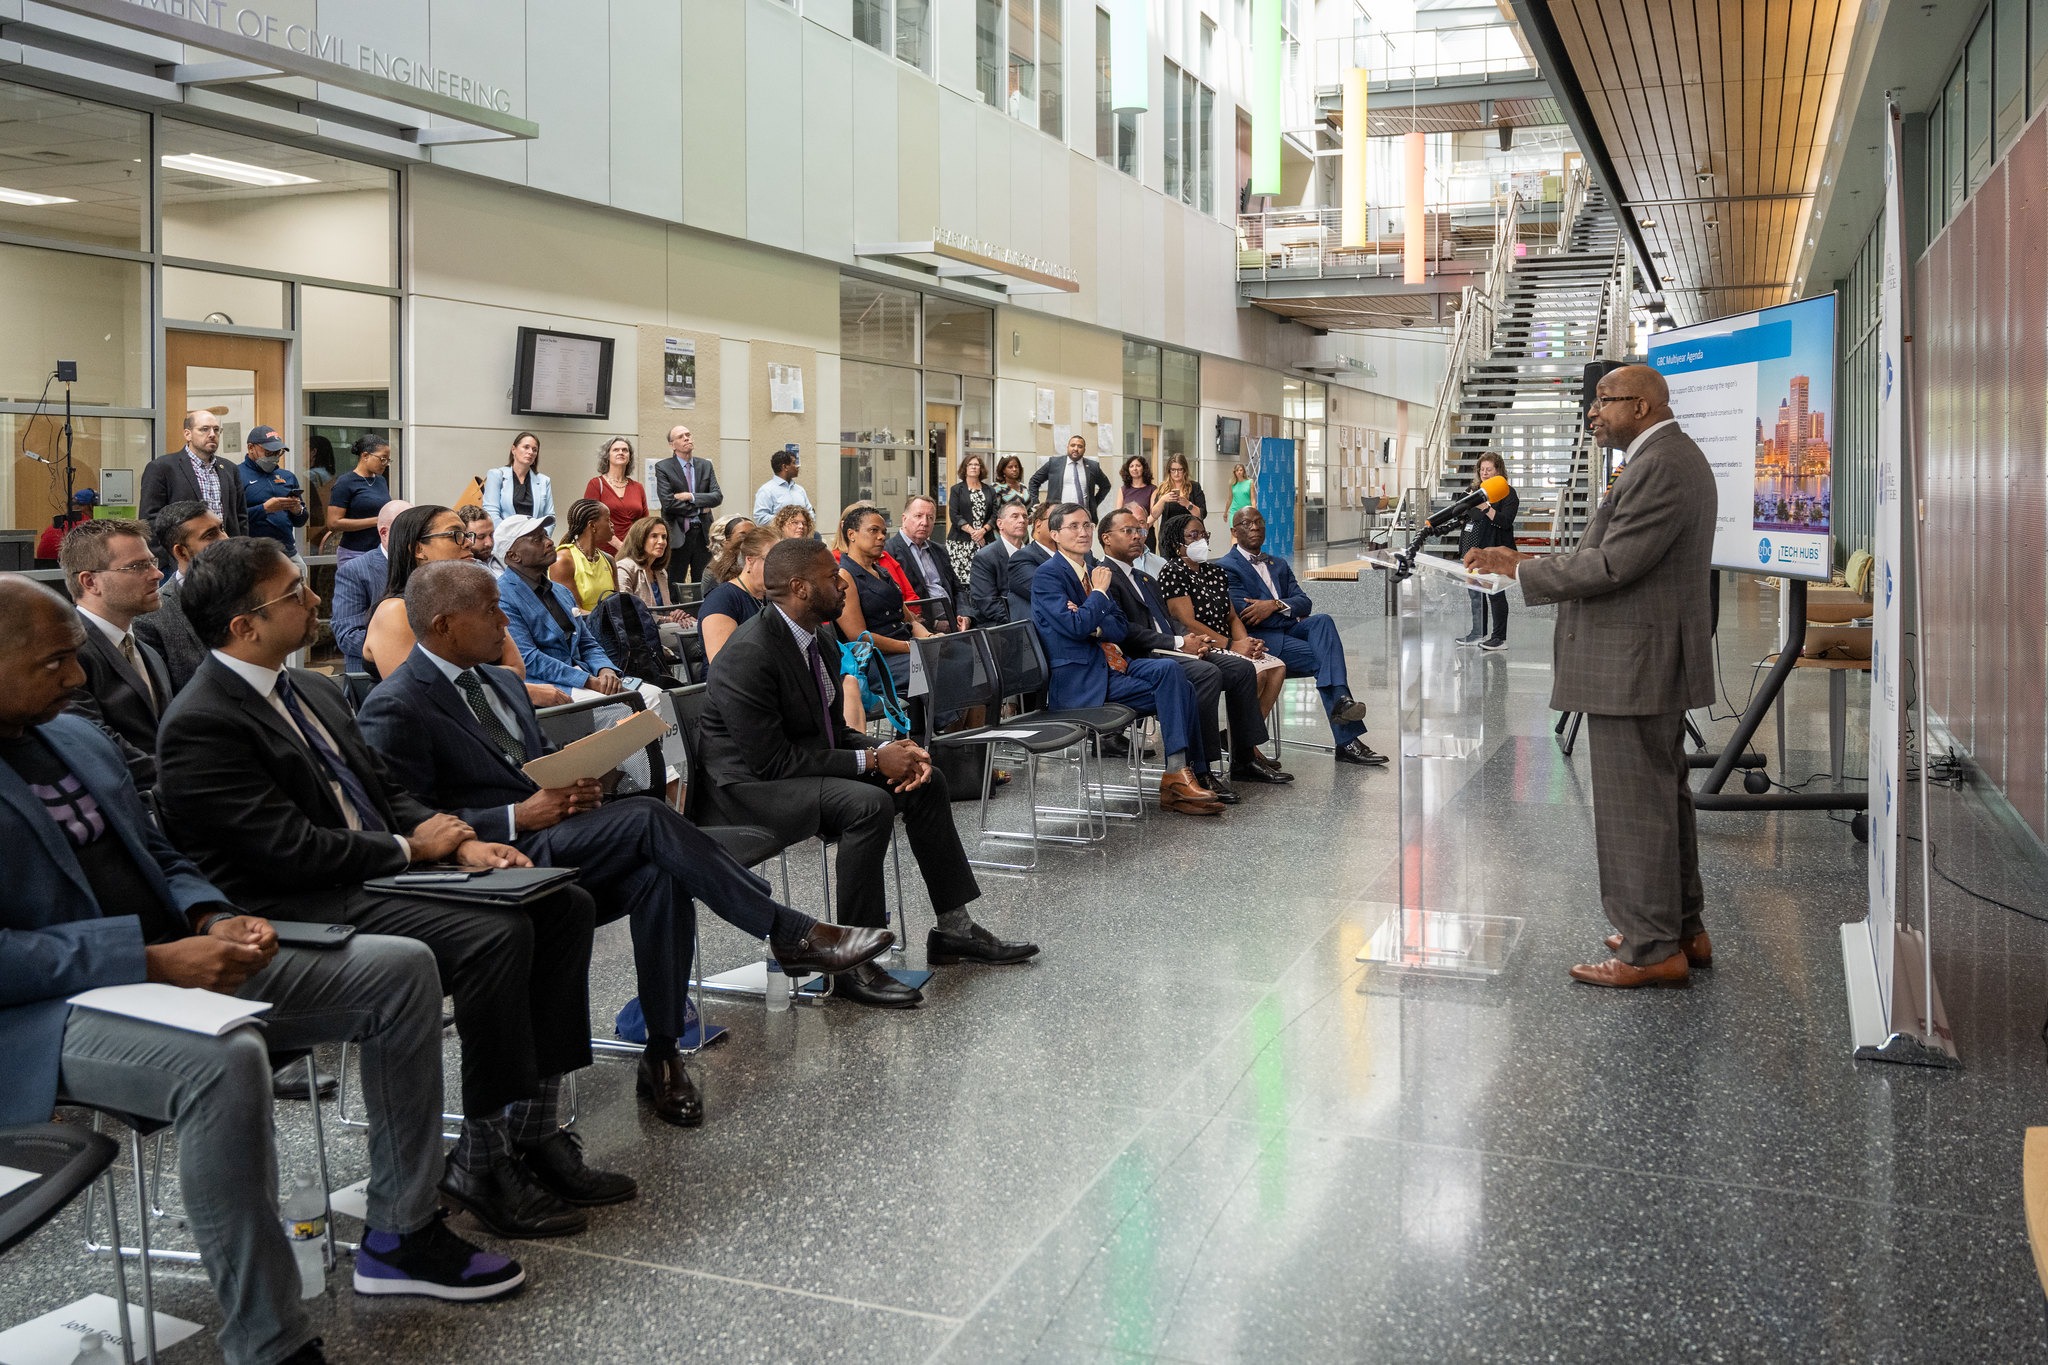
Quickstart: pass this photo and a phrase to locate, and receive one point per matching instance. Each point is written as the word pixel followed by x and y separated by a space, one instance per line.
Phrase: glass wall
pixel 917 391
pixel 259 246
pixel 1303 409
pixel 1162 407
pixel 1999 78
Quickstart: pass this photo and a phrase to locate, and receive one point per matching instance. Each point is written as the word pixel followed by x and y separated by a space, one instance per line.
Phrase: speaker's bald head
pixel 1638 381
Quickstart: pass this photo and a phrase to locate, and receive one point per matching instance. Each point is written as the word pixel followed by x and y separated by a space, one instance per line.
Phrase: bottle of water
pixel 305 1224
pixel 778 982
pixel 93 1350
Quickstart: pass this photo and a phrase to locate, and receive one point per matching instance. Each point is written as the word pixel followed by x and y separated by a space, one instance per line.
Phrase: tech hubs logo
pixel 1766 553
pixel 1763 550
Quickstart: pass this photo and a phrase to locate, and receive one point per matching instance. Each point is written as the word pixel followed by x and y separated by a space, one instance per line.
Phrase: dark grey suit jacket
pixel 168 632
pixel 114 699
pixel 168 479
pixel 1635 618
pixel 668 481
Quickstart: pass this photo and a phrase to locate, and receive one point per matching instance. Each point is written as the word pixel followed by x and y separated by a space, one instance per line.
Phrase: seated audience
pixel 643 569
pixel 778 755
pixel 359 587
pixel 724 529
pixel 581 564
pixel 795 522
pixel 455 731
pixel 100 898
pixel 1198 598
pixel 740 593
pixel 180 530
pixel 623 496
pixel 1035 552
pixel 556 645
pixel 113 578
pixel 1212 672
pixel 265 781
pixel 477 535
pixel 873 600
pixel 1081 627
pixel 928 566
pixel 1275 609
pixel 990 586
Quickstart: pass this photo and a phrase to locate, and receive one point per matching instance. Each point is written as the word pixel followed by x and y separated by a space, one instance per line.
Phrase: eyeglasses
pixel 473 537
pixel 299 593
pixel 1606 398
pixel 448 535
pixel 139 566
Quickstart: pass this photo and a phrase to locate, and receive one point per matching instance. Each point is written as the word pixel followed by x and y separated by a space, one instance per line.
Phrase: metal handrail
pixel 1613 346
pixel 1308 242
pixel 1478 312
pixel 1576 185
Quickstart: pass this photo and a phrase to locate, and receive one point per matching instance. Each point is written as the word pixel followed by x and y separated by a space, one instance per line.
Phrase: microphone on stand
pixel 1492 490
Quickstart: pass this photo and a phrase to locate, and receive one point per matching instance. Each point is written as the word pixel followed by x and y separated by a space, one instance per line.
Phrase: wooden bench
pixel 2034 1191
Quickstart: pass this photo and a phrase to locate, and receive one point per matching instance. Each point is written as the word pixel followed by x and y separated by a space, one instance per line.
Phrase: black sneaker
pixel 556 1162
pixel 433 1263
pixel 1474 638
pixel 1494 646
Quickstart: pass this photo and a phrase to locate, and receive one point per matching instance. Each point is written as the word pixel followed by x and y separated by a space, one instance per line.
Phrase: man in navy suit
pixel 996 566
pixel 454 730
pixel 1264 591
pixel 79 843
pixel 1081 627
pixel 359 587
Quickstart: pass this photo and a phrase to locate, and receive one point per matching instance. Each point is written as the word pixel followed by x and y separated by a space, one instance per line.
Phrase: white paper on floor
pixel 13 1178
pixel 353 1200
pixel 54 1338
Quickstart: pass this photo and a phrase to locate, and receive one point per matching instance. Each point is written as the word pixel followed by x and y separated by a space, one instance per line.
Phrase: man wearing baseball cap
pixel 271 492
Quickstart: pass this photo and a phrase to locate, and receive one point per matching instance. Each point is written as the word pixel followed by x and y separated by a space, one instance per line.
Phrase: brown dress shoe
pixel 1672 971
pixel 1698 950
pixel 1180 792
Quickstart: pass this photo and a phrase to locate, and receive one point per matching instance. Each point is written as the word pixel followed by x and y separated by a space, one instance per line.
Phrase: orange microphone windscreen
pixel 1496 488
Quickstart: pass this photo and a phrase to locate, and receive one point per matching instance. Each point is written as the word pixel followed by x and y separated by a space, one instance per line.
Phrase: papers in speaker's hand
pixel 195 1011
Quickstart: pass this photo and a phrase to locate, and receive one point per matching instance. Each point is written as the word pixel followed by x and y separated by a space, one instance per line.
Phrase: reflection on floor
pixel 1197 1130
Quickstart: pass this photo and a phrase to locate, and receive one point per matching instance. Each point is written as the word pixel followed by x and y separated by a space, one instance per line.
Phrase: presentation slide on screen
pixel 1757 392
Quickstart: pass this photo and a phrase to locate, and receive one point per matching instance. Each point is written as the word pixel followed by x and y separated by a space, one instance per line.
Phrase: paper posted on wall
pixel 678 372
pixel 785 388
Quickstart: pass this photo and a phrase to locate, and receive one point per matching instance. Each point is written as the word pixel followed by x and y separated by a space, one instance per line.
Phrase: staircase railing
pixel 1479 311
pixel 1575 186
pixel 1576 497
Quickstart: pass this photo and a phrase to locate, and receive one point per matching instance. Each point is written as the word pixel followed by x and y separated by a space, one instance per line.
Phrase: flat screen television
pixel 562 374
pixel 1229 436
pixel 1757 392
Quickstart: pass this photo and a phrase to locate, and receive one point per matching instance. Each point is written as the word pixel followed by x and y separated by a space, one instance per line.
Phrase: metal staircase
pixel 1518 397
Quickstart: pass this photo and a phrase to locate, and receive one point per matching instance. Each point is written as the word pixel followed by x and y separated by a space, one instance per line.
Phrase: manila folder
pixel 597 753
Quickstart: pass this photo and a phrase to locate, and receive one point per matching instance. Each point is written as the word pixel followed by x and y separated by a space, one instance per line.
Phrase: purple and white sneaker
pixel 433 1263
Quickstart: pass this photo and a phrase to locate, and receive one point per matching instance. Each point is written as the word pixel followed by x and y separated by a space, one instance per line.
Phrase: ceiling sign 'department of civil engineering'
pixel 256 46
pixel 961 259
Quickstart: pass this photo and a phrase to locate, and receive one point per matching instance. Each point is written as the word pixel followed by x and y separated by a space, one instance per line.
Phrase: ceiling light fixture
pixel 31 200
pixel 219 168
pixel 1710 222
pixel 1647 223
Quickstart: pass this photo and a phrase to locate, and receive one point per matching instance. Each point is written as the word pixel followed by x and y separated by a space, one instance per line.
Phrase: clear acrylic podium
pixel 1443 714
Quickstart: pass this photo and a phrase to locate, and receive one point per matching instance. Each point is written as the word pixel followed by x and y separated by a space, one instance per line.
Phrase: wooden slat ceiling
pixel 1390 116
pixel 1742 90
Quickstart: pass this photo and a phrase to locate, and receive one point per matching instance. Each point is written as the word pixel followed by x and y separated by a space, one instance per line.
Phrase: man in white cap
pixel 359 587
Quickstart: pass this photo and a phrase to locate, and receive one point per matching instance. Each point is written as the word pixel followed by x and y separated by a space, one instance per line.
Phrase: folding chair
pixel 68 1162
pixel 1023 671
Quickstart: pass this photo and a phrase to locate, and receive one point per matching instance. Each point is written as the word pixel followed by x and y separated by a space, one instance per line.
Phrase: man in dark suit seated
pixel 781 756
pixel 113 578
pixel 97 897
pixel 928 566
pixel 265 781
pixel 1081 627
pixel 1266 594
pixel 180 531
pixel 996 565
pixel 455 731
pixel 1149 630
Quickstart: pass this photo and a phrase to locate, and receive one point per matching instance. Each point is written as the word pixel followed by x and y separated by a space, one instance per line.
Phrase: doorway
pixel 940 420
pixel 237 378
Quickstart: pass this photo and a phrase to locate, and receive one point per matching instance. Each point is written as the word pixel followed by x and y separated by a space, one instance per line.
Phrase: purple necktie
pixel 817 658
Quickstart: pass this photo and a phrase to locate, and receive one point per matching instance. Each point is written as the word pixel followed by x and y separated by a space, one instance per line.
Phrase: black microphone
pixel 1492 490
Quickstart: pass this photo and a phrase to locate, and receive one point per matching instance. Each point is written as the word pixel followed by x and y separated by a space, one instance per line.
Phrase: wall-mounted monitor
pixel 1757 392
pixel 1229 437
pixel 562 374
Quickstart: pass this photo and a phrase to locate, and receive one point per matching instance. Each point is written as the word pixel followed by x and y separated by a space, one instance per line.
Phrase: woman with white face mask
pixel 1198 597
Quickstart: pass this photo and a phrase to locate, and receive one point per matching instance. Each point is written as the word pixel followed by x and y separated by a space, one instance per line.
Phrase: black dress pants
pixel 688 553
pixel 520 978
pixel 639 858
pixel 859 813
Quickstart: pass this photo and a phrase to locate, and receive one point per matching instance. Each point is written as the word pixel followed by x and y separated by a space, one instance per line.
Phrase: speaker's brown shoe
pixel 1672 971
pixel 1698 950
pixel 1180 792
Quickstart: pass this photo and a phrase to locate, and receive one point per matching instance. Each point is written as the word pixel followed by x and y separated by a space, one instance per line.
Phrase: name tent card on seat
pixel 597 753
pixel 185 1007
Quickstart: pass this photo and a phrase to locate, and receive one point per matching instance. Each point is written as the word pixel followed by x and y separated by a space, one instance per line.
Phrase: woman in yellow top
pixel 581 565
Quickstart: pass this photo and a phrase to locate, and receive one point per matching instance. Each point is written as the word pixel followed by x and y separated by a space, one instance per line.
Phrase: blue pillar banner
pixel 1273 491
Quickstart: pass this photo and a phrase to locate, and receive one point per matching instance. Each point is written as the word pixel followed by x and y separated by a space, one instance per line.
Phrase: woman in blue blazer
pixel 517 486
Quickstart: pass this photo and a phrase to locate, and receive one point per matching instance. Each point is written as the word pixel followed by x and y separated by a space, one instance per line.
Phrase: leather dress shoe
pixel 669 1091
pixel 1349 711
pixel 868 984
pixel 1359 752
pixel 1672 971
pixel 1270 767
pixel 1698 950
pixel 1248 773
pixel 290 1084
pixel 1216 787
pixel 556 1161
pixel 830 948
pixel 1113 746
pixel 942 949
pixel 1180 792
pixel 506 1199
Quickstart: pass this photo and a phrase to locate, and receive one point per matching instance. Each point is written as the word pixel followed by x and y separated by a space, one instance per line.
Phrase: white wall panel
pixel 876 203
pixel 827 94
pixel 918 164
pixel 955 21
pixel 716 285
pixel 574 158
pixel 487 44
pixel 835 15
pixel 735 421
pixel 958 163
pixel 774 137
pixel 1025 228
pixel 647 107
pixel 991 172
pixel 714 116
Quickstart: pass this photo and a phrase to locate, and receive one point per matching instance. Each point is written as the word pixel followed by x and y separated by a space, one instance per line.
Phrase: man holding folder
pixel 458 731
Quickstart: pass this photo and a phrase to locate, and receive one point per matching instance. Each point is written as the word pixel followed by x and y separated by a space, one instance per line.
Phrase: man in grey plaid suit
pixel 1632 652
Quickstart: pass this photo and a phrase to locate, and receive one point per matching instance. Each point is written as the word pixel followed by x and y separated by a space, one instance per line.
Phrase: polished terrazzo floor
pixel 1196 1129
